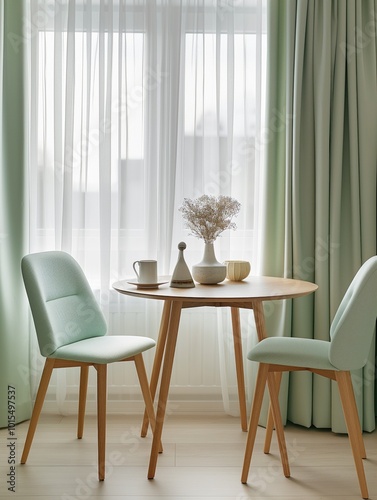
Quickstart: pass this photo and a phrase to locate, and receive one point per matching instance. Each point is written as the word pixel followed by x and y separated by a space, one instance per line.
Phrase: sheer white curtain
pixel 134 106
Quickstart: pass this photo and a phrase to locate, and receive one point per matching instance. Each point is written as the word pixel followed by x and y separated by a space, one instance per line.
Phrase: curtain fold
pixel 319 211
pixel 14 338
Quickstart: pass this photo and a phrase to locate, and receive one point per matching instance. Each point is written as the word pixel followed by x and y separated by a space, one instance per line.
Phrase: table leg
pixel 259 320
pixel 262 334
pixel 236 324
pixel 171 341
pixel 160 348
pixel 270 419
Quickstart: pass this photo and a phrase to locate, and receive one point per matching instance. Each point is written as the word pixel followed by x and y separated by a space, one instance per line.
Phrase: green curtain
pixel 14 329
pixel 319 181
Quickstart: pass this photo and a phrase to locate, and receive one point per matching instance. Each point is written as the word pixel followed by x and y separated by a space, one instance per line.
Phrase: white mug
pixel 147 271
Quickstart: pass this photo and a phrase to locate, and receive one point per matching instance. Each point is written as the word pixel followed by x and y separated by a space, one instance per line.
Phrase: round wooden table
pixel 247 294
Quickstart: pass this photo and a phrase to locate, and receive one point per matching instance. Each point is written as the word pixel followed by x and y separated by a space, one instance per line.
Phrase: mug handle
pixel 134 266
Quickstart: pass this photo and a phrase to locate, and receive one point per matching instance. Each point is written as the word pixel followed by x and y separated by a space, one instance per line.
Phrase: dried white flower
pixel 208 216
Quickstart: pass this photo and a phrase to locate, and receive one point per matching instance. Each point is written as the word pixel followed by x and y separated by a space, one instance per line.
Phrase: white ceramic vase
pixel 209 271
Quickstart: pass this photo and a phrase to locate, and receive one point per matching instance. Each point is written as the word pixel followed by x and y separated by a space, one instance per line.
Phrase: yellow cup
pixel 237 270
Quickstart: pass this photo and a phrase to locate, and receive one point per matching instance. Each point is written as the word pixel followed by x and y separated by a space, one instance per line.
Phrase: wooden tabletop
pixel 252 288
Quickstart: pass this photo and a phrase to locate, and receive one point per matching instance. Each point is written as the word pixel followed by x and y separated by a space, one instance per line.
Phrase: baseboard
pixel 181 400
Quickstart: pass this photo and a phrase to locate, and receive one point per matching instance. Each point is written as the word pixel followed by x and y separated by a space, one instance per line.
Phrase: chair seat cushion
pixel 105 349
pixel 292 351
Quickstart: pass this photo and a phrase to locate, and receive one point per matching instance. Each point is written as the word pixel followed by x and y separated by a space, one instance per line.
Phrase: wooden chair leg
pixel 254 417
pixel 84 372
pixel 270 419
pixel 42 389
pixel 355 417
pixel 274 399
pixel 269 431
pixel 353 426
pixel 101 418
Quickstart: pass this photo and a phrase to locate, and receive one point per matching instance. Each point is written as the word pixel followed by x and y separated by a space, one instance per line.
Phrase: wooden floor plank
pixel 202 460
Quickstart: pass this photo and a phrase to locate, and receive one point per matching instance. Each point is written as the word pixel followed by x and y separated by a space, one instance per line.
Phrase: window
pixel 140 104
pixel 135 105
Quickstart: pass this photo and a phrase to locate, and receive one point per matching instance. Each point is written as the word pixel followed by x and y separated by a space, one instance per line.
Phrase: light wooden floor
pixel 202 459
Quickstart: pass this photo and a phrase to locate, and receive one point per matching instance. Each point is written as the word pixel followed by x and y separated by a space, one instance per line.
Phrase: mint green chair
pixel 351 336
pixel 72 332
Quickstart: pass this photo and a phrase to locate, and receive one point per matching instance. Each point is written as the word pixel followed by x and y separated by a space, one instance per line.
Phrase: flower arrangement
pixel 208 216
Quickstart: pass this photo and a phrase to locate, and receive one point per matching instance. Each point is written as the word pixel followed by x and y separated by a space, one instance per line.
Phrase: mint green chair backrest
pixel 62 303
pixel 353 326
